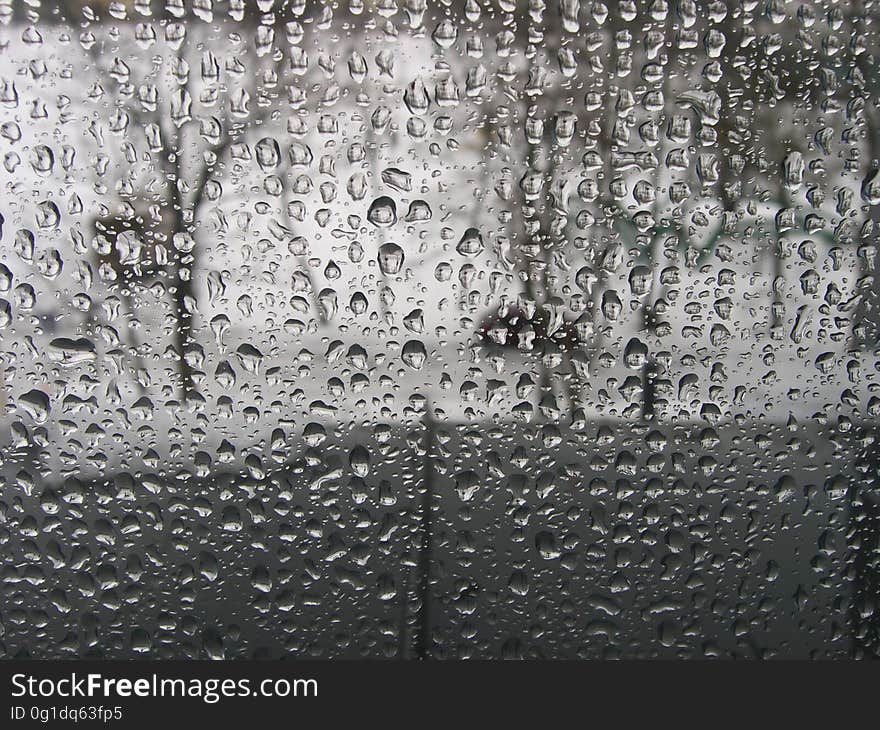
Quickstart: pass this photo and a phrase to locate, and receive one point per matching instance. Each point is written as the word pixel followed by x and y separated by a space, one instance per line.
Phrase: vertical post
pixel 864 540
pixel 423 635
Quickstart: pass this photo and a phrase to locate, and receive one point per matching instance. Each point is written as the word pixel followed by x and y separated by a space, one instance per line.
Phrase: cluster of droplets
pixel 554 324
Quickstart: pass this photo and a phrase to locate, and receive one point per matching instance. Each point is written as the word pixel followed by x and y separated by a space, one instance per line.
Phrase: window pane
pixel 439 329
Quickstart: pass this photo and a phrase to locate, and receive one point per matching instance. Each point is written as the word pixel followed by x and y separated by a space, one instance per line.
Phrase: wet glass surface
pixel 439 329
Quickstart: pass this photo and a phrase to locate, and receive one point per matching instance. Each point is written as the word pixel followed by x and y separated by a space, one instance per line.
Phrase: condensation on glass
pixel 439 329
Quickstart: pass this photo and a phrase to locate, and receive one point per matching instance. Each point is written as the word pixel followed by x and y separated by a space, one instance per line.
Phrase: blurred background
pixel 483 329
